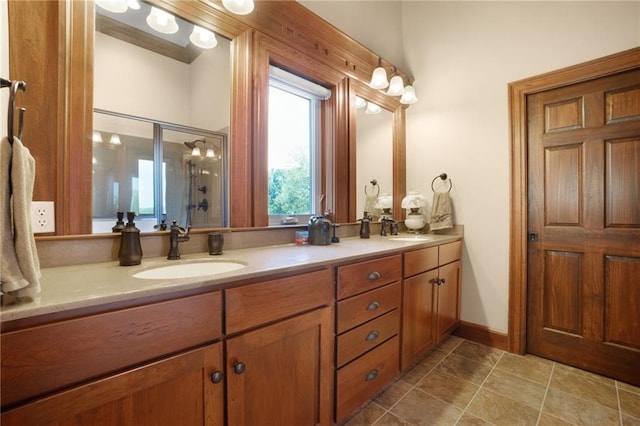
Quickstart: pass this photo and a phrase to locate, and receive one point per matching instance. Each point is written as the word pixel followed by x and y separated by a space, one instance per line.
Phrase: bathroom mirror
pixel 159 82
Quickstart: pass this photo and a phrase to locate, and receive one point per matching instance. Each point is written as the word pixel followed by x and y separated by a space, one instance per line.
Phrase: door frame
pixel 518 92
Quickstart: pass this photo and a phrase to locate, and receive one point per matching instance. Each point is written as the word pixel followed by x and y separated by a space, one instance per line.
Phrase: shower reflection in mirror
pixel 157 172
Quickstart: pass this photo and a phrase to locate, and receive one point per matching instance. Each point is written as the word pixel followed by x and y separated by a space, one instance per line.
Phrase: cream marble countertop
pixel 80 286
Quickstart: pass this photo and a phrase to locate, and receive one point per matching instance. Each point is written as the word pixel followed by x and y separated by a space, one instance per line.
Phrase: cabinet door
pixel 281 374
pixel 417 317
pixel 448 291
pixel 176 390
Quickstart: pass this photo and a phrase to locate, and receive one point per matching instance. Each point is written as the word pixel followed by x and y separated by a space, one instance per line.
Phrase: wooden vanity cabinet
pixel 367 330
pixel 279 351
pixel 431 299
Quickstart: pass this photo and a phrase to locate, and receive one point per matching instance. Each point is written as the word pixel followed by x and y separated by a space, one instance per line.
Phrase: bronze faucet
pixel 176 235
pixel 388 223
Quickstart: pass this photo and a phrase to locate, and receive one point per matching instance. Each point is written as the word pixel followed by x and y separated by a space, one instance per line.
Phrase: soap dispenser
pixel 130 252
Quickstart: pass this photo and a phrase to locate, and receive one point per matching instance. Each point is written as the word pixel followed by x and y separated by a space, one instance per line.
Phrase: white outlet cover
pixel 43 219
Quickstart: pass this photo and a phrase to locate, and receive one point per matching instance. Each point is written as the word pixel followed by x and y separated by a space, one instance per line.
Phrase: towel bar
pixel 442 176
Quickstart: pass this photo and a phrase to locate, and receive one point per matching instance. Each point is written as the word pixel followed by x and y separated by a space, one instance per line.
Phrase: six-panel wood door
pixel 584 225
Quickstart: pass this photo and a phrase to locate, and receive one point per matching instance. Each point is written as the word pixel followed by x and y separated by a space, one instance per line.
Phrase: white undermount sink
pixel 412 238
pixel 191 269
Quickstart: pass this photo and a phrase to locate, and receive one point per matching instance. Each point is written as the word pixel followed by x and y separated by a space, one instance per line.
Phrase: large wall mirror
pixel 162 99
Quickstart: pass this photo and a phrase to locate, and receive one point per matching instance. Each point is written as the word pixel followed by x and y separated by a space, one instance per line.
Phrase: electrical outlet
pixel 43 218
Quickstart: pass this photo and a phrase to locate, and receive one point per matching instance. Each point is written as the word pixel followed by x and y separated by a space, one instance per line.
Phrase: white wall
pixel 463 55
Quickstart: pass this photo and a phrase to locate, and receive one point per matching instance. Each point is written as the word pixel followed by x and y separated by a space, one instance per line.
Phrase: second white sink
pixel 189 270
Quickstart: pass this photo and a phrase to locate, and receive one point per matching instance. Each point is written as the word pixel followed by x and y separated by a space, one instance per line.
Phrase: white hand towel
pixel 20 266
pixel 441 211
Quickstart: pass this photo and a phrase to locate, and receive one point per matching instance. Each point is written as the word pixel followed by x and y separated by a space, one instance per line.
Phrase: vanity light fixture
pixel 379 77
pixel 408 95
pixel 195 152
pixel 113 6
pixel 372 108
pixel 203 38
pixel 360 103
pixel 97 137
pixel 210 153
pixel 396 86
pixel 239 7
pixel 384 202
pixel 133 4
pixel 162 21
pixel 115 139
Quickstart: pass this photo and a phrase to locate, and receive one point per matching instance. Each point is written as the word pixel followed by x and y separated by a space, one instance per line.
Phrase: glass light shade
pixel 133 4
pixel 162 21
pixel 413 200
pixel 396 86
pixel 210 153
pixel 97 137
pixel 379 79
pixel 239 7
pixel 372 108
pixel 384 201
pixel 360 103
pixel 203 38
pixel 114 6
pixel 195 152
pixel 408 96
pixel 115 139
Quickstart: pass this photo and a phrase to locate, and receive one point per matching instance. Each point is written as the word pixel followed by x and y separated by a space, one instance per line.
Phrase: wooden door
pixel 584 225
pixel 174 391
pixel 418 328
pixel 448 299
pixel 282 374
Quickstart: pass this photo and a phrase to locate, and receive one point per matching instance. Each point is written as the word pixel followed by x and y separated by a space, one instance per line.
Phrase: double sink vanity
pixel 272 335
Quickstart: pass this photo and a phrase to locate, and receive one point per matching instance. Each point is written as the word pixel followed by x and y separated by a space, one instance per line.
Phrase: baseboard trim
pixel 483 335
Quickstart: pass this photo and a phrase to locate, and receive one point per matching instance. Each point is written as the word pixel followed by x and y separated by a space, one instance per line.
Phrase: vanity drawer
pixel 361 339
pixel 363 276
pixel 48 357
pixel 422 260
pixel 364 307
pixel 450 252
pixel 256 304
pixel 363 378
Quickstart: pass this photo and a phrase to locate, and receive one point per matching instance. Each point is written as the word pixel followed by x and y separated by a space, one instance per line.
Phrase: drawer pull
pixel 373 306
pixel 441 281
pixel 217 377
pixel 239 367
pixel 372 375
pixel 372 336
pixel 373 276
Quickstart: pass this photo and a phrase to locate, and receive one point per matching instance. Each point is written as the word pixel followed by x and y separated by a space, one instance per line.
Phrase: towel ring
pixel 374 184
pixel 442 176
pixel 14 86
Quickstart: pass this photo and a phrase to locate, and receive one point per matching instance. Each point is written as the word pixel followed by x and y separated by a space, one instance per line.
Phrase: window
pixel 293 146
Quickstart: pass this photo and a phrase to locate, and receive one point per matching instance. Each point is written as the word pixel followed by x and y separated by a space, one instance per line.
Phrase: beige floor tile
pixel 416 374
pixel 479 353
pixel 464 368
pixel 629 403
pixel 469 420
pixel 434 358
pixel 529 367
pixel 450 344
pixel 630 421
pixel 577 410
pixel 393 394
pixel 390 420
pixel 516 387
pixel 500 410
pixel 367 416
pixel 585 374
pixel 448 388
pixel 584 386
pixel 549 420
pixel 419 408
pixel 628 387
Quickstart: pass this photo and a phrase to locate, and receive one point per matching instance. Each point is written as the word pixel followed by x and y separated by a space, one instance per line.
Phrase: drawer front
pixel 364 307
pixel 44 358
pixel 364 276
pixel 256 304
pixel 450 252
pixel 422 260
pixel 354 343
pixel 363 378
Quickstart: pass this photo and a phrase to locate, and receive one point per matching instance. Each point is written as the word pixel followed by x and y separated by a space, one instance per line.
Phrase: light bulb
pixel 162 21
pixel 195 152
pixel 396 86
pixel 408 96
pixel 133 4
pixel 115 139
pixel 360 103
pixel 114 6
pixel 379 79
pixel 239 7
pixel 372 108
pixel 210 153
pixel 203 38
pixel 97 137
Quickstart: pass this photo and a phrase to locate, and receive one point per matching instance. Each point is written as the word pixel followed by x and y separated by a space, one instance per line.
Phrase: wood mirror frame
pixel 59 99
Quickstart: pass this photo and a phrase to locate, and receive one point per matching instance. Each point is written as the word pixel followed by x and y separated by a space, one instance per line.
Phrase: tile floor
pixel 465 383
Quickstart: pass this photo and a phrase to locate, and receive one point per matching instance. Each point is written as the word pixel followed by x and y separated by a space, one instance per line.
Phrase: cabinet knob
pixel 372 336
pixel 373 306
pixel 217 376
pixel 373 276
pixel 239 367
pixel 441 281
pixel 371 375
